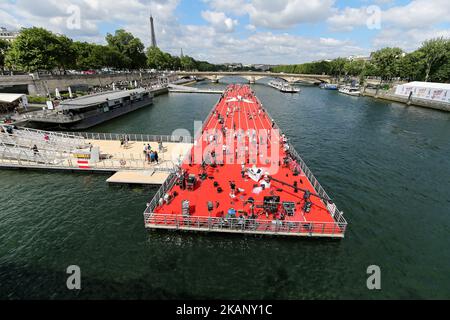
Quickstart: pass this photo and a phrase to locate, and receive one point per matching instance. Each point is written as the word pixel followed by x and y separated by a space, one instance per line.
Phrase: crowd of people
pixel 151 155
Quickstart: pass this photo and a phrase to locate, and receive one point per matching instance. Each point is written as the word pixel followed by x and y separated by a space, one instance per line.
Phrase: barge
pixel 87 111
pixel 284 87
pixel 243 176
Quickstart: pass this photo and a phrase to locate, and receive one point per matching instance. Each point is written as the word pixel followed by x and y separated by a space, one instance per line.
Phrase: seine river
pixel 386 165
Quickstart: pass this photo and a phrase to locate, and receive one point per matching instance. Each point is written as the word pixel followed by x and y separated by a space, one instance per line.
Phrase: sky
pixel 245 31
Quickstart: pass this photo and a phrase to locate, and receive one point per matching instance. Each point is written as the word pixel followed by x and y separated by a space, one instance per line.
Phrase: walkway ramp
pixel 143 177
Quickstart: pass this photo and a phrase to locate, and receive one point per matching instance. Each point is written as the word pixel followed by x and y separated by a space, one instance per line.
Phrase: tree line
pixel 37 49
pixel 431 62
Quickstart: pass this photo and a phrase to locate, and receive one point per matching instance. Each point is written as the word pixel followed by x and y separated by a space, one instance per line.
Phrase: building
pixel 358 58
pixel 8 35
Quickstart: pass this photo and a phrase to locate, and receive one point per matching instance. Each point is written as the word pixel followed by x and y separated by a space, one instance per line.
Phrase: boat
pixel 87 111
pixel 284 87
pixel 328 86
pixel 352 91
pixel 261 187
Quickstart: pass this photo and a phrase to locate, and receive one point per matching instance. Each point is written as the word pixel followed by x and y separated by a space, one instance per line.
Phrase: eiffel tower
pixel 152 29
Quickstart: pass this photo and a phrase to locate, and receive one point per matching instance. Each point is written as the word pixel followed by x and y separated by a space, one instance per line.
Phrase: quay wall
pixel 40 85
pixel 390 96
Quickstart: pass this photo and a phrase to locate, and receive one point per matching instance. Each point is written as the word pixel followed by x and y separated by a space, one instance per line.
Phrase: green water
pixel 386 166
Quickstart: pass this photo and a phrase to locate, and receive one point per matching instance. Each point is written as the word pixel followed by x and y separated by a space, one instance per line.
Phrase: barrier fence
pixel 253 226
pixel 133 137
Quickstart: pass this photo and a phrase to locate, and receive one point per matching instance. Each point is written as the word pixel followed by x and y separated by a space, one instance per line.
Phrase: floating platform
pixel 242 176
pixel 141 177
pixel 25 148
pixel 183 89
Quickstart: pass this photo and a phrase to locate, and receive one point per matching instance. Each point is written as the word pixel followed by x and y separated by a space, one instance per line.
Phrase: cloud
pixel 235 7
pixel 280 14
pixel 416 14
pixel 268 37
pixel 408 40
pixel 220 21
pixel 348 19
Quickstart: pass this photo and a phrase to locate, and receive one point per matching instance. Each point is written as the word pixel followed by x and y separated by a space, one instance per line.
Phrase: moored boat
pixel 284 87
pixel 87 111
pixel 328 86
pixel 352 91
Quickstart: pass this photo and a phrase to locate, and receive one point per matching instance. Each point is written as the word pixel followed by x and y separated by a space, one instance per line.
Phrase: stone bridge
pixel 253 76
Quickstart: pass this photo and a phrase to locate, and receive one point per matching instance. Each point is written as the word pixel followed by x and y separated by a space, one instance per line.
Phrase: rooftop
pixel 96 99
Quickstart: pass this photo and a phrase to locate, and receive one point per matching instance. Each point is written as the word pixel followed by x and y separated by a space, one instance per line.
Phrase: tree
pixel 337 67
pixel 65 55
pixel 442 74
pixel 4 47
pixel 156 59
pixel 412 67
pixel 188 63
pixel 354 67
pixel 131 48
pixel 434 51
pixel 83 55
pixel 387 61
pixel 34 49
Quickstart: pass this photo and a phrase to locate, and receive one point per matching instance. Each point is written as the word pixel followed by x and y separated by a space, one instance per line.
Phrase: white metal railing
pixel 21 154
pixel 283 227
pixel 132 137
pixel 22 157
pixel 42 139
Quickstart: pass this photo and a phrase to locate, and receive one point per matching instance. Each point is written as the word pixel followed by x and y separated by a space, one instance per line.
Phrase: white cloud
pixel 220 21
pixel 236 7
pixel 217 41
pixel 408 40
pixel 279 14
pixel 416 14
pixel 348 19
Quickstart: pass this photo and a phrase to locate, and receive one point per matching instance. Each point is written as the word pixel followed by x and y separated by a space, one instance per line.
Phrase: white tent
pixel 425 90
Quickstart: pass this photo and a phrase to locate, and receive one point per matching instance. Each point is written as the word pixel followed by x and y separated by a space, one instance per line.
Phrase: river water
pixel 386 166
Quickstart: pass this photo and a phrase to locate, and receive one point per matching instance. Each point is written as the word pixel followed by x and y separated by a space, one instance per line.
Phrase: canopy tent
pixel 9 101
pixel 10 97
pixel 425 90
